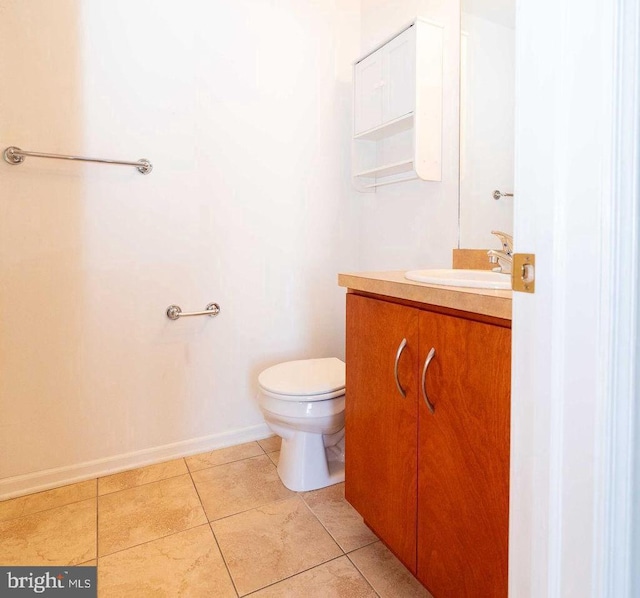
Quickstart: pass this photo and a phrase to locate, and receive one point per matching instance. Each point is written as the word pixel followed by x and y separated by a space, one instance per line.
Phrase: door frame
pixel 573 529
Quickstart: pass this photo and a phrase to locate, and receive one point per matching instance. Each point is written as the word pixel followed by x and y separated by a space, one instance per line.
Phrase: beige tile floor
pixel 219 525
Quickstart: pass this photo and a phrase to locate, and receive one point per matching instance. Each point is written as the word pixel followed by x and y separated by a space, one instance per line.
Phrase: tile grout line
pixel 224 560
pixel 169 477
pixel 363 546
pixel 266 504
pixel 215 539
pixel 188 529
pixel 226 462
pixel 327 530
pixel 335 558
pixel 344 552
pixel 66 504
pixel 53 489
pixel 324 527
pixel 361 573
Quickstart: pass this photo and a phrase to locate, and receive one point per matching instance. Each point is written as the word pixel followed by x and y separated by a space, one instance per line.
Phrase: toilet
pixel 303 403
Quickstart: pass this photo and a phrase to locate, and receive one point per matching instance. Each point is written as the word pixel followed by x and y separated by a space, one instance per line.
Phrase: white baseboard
pixel 70 474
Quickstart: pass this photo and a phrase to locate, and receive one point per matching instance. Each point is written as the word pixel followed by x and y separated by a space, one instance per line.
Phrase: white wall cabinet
pixel 397 133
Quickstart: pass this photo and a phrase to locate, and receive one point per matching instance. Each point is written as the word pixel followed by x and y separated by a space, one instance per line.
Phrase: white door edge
pixel 614 547
pixel 575 381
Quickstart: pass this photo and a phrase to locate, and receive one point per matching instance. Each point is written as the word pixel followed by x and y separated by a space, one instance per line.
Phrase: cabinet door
pixel 385 83
pixel 463 479
pixel 399 91
pixel 381 424
pixel 369 83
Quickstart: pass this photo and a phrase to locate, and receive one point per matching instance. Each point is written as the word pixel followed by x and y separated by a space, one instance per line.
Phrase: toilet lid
pixel 305 377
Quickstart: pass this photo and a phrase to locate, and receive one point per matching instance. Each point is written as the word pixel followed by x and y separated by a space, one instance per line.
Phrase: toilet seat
pixel 302 398
pixel 304 380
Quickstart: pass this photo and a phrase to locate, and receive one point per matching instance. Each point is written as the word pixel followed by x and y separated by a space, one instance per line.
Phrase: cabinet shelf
pixel 403 123
pixel 387 169
pixel 385 174
pixel 412 177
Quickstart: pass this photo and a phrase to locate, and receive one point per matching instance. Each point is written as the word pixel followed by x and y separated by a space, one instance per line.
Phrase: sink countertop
pixel 487 302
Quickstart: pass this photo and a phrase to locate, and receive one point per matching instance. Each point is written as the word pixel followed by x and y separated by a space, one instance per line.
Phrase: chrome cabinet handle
pixel 401 348
pixel 427 361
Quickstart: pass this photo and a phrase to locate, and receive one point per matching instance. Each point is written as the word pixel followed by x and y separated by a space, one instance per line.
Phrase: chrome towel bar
pixel 15 155
pixel 174 312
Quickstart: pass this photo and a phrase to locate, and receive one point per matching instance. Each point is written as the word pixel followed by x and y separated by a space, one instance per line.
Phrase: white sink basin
pixel 477 279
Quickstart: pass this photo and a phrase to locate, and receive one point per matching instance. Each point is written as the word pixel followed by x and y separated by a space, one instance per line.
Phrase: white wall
pixel 487 128
pixel 244 110
pixel 415 224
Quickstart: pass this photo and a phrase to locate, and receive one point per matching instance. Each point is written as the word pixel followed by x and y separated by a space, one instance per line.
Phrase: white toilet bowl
pixel 303 403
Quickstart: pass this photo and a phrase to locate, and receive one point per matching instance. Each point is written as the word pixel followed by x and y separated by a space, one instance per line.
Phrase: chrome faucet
pixel 503 258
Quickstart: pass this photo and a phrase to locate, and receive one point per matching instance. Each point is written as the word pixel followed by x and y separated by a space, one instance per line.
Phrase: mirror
pixel 487 73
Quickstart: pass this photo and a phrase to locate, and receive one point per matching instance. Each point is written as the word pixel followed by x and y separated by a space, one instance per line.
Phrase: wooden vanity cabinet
pixel 433 486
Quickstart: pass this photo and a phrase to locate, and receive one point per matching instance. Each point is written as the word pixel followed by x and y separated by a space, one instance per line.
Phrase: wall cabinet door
pixel 368 87
pixel 463 456
pixel 399 91
pixel 381 424
pixel 385 83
